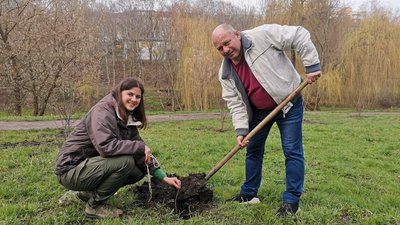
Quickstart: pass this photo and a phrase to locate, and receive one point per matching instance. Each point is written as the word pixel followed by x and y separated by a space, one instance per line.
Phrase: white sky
pixel 355 4
pixel 385 3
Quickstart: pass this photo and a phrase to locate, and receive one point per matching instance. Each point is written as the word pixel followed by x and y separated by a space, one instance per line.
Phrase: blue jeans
pixel 290 127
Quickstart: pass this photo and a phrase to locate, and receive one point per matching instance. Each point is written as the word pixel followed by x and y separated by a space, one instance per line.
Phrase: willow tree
pixel 369 69
pixel 197 71
pixel 326 21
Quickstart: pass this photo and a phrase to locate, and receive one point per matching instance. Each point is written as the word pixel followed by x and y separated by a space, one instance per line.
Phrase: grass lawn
pixel 352 174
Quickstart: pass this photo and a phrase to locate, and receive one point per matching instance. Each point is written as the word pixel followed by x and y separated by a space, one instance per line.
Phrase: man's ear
pixel 237 33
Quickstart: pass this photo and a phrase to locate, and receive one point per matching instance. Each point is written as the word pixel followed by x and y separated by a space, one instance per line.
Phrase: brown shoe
pixel 102 211
pixel 84 195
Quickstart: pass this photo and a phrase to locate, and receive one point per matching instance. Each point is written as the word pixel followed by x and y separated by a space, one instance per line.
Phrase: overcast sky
pixel 386 3
pixel 355 4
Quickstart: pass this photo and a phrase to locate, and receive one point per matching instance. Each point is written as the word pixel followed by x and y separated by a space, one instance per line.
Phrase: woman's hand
pixel 147 154
pixel 173 181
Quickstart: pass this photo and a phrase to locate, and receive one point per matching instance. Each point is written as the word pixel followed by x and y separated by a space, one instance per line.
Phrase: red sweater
pixel 258 96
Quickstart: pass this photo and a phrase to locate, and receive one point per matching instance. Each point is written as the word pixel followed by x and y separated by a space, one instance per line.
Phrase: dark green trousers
pixel 102 176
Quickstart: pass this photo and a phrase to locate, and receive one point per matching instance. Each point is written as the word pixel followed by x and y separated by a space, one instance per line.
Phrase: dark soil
pixel 193 197
pixel 27 144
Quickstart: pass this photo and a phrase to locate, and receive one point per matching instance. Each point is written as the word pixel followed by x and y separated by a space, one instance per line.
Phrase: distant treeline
pixel 61 56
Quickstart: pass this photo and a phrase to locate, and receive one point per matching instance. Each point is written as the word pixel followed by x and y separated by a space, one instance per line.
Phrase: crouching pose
pixel 105 152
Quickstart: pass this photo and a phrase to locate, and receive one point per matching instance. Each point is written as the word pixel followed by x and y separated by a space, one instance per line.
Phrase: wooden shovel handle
pixel 264 122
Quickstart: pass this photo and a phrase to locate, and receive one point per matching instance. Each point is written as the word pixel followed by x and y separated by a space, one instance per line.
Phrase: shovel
pixel 264 122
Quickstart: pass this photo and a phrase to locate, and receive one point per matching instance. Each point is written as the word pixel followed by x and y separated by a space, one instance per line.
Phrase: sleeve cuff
pixel 242 131
pixel 313 68
pixel 159 175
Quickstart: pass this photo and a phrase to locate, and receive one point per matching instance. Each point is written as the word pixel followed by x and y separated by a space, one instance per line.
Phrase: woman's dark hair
pixel 138 113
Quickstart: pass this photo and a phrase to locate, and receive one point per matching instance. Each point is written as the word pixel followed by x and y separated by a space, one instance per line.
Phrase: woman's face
pixel 131 98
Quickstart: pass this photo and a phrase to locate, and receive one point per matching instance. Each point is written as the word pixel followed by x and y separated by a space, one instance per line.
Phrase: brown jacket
pixel 101 133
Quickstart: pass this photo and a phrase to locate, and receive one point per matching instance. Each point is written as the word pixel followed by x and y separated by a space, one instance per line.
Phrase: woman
pixel 105 152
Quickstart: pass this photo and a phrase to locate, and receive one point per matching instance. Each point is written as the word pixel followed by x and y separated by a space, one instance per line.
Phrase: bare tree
pixel 13 16
pixel 44 43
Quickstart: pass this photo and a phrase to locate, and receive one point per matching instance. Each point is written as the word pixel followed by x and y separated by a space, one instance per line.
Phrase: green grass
pixel 352 174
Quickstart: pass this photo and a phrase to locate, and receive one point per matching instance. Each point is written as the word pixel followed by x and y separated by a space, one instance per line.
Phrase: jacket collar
pixel 246 43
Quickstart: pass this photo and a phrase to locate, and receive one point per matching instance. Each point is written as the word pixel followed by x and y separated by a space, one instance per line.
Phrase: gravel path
pixel 28 125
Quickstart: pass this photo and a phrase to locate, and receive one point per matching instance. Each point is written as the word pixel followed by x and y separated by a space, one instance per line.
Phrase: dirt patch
pixel 26 144
pixel 218 130
pixel 193 197
pixel 306 121
pixel 22 143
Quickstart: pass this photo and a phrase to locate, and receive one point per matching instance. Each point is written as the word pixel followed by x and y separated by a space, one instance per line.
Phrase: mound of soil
pixel 193 197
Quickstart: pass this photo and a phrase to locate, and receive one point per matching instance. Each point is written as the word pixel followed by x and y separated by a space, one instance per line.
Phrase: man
pixel 255 76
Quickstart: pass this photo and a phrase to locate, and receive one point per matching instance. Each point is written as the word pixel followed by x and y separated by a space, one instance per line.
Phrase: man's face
pixel 228 44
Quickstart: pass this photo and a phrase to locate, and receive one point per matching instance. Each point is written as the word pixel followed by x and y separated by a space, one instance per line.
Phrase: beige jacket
pixel 264 51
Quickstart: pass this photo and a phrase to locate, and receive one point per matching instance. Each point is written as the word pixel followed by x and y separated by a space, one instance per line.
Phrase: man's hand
pixel 240 141
pixel 312 77
pixel 173 181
